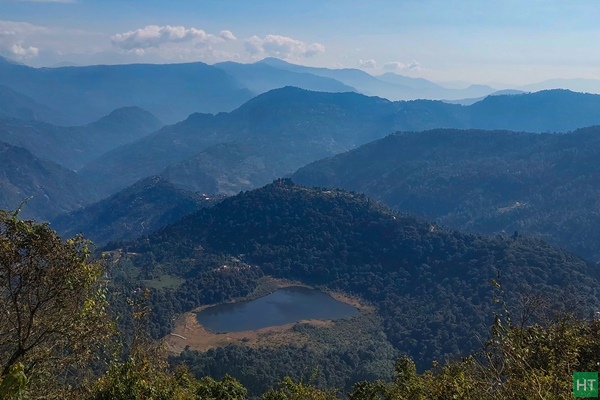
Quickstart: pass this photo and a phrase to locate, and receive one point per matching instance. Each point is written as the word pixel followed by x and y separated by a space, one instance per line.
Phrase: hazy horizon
pixel 503 43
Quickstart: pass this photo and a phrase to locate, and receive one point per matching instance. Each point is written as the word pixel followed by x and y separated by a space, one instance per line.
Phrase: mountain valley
pixel 454 224
pixel 346 242
pixel 300 126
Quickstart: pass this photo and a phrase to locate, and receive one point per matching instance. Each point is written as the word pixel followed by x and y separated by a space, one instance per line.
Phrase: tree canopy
pixel 53 308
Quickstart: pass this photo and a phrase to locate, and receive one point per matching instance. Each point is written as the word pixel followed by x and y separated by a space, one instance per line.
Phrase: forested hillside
pixel 62 307
pixel 16 105
pixel 328 122
pixel 430 285
pixel 275 133
pixel 544 111
pixel 541 185
pixel 74 146
pixel 50 188
pixel 138 210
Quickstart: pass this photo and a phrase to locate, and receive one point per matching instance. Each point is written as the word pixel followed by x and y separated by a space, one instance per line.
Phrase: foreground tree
pixel 521 360
pixel 53 308
pixel 290 390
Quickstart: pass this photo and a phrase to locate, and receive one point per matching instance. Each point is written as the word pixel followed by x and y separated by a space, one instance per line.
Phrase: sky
pixel 498 42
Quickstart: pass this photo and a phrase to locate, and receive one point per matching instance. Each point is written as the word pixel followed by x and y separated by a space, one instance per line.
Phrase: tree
pixel 227 388
pixel 290 390
pixel 143 375
pixel 53 308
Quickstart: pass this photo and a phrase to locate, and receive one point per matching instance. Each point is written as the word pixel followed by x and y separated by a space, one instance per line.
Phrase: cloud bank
pixel 400 66
pixel 227 35
pixel 14 35
pixel 155 36
pixel 367 63
pixel 281 47
pixel 23 41
pixel 19 51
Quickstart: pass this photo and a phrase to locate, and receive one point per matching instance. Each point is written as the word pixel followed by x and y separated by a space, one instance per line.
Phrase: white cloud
pixel 367 63
pixel 155 36
pixel 13 35
pixel 227 35
pixel 42 46
pixel 12 28
pixel 282 47
pixel 394 65
pixel 400 66
pixel 23 52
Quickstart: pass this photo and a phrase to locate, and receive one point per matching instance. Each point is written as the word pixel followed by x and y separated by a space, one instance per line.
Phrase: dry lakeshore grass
pixel 189 332
pixel 198 338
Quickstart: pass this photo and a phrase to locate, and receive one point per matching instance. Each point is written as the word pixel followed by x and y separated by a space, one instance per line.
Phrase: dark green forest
pixel 48 188
pixel 490 182
pixel 438 296
pixel 282 130
pixel 137 210
pixel 430 285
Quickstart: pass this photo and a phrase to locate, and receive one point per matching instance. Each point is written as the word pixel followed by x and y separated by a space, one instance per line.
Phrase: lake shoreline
pixel 189 333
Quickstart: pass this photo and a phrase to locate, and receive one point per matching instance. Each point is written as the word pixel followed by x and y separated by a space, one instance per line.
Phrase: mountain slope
pixel 545 111
pixel 53 189
pixel 473 100
pixel 286 128
pixel 72 147
pixel 544 185
pixel 363 82
pixel 138 210
pixel 261 77
pixel 430 285
pixel 246 164
pixel 415 83
pixel 390 86
pixel 577 85
pixel 288 115
pixel 170 91
pixel 16 105
pixel 127 164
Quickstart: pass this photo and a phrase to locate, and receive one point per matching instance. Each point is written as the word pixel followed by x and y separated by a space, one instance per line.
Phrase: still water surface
pixel 284 306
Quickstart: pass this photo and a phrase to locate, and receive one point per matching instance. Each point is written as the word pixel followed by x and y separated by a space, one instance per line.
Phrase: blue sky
pixel 500 42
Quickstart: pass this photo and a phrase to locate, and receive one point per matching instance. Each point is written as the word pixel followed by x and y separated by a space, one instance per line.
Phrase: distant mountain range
pixel 170 91
pixel 280 131
pixel 270 136
pixel 52 188
pixel 542 185
pixel 72 147
pixel 473 100
pixel 577 85
pixel 319 123
pixel 261 77
pixel 390 85
pixel 80 95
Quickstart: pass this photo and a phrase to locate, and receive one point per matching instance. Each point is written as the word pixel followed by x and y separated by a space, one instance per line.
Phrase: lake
pixel 284 306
